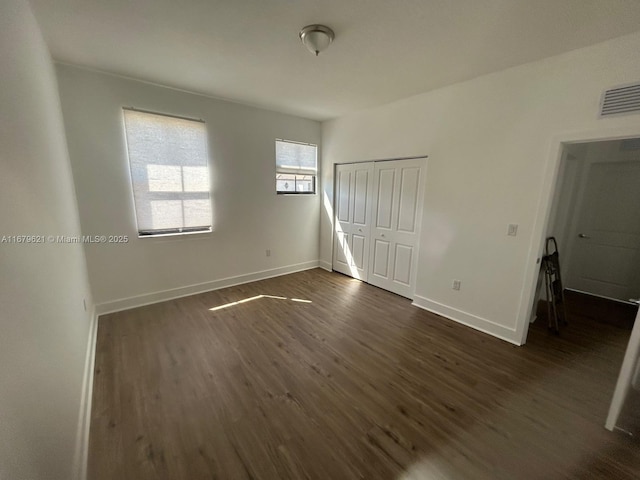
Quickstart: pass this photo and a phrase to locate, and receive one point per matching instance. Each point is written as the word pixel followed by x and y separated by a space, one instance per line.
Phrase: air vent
pixel 630 145
pixel 621 100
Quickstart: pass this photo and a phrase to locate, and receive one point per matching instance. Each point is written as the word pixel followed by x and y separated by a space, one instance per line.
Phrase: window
pixel 169 173
pixel 296 167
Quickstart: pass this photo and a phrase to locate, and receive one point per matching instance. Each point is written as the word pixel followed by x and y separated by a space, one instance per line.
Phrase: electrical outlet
pixel 456 284
pixel 268 252
pixel 512 231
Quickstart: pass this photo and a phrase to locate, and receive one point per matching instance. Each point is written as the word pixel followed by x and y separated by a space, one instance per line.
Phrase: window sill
pixel 296 194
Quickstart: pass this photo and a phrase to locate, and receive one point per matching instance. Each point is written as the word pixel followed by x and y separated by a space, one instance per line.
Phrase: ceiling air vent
pixel 621 100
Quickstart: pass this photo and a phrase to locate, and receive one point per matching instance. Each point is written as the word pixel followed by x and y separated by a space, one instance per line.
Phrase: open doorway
pixel 595 217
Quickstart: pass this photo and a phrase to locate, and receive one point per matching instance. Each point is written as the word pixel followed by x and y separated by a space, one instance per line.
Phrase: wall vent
pixel 630 144
pixel 620 100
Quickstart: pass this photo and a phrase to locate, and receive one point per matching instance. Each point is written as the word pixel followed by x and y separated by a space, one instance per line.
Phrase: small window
pixel 296 167
pixel 169 173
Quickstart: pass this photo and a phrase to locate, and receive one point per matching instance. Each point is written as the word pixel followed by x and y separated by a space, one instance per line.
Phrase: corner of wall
pixel 326 265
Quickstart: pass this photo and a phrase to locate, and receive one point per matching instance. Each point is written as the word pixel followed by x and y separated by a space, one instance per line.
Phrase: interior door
pixel 353 185
pixel 606 247
pixel 397 197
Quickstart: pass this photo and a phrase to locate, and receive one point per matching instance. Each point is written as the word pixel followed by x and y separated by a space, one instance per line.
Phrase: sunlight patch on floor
pixel 257 297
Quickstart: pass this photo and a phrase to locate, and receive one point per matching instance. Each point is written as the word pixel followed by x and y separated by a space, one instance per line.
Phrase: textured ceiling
pixel 248 50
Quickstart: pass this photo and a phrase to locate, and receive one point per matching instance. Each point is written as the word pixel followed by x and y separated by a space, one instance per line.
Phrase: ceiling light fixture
pixel 316 38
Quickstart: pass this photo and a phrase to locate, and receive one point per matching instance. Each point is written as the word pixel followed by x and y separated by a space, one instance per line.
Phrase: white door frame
pixel 545 201
pixel 626 373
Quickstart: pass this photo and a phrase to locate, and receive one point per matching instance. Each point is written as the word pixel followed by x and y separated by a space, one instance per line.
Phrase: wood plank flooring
pixel 353 382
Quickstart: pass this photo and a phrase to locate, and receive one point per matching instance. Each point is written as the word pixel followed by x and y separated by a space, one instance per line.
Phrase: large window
pixel 296 167
pixel 169 173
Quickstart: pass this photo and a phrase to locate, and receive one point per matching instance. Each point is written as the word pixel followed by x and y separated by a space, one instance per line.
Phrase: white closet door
pixel 353 189
pixel 397 198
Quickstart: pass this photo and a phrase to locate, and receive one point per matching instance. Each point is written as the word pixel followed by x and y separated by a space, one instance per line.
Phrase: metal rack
pixel 556 305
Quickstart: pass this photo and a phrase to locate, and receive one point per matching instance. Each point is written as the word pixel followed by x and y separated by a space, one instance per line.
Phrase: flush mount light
pixel 316 37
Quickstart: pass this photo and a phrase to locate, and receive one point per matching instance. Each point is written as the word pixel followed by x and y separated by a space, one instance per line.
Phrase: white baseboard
pixel 468 319
pixel 164 295
pixel 84 418
pixel 325 265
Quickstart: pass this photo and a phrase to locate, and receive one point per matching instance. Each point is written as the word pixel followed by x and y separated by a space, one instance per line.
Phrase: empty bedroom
pixel 309 240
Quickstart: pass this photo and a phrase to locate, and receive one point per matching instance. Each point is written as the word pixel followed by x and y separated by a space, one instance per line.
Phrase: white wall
pixel 493 146
pixel 248 215
pixel 43 326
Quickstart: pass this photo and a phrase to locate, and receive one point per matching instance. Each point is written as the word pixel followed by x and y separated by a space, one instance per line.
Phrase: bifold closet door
pixel 353 206
pixel 397 195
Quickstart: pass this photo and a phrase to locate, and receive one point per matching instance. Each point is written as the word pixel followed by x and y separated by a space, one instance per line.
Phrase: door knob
pixel 582 235
pixel 359 229
pixel 382 235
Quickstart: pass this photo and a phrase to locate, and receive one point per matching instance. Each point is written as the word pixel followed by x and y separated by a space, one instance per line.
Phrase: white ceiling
pixel 249 51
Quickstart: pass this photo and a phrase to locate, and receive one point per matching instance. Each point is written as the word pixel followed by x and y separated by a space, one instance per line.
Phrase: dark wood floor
pixel 584 306
pixel 352 383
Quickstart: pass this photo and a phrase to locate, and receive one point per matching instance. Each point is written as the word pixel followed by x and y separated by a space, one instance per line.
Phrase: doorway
pixel 378 209
pixel 595 218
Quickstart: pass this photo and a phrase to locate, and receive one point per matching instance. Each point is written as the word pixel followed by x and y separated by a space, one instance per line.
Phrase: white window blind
pixel 296 167
pixel 292 157
pixel 169 173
